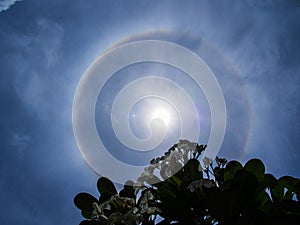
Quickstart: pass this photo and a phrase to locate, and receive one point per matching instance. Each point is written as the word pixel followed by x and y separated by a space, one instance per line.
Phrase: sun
pixel 161 113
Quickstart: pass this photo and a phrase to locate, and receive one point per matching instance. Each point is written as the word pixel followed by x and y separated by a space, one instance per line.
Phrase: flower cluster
pixel 171 162
pixel 124 210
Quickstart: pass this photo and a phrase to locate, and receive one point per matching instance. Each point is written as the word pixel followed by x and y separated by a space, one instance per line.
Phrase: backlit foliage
pixel 177 189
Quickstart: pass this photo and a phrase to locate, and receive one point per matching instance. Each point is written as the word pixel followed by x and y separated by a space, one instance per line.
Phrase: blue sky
pixel 253 47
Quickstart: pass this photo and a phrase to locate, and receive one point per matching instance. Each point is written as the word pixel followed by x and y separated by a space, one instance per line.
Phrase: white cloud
pixel 49 40
pixel 41 51
pixel 6 4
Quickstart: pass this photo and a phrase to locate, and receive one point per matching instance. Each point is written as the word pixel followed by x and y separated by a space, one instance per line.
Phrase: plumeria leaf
pixel 166 190
pixel 277 192
pixel 264 201
pixel 231 168
pixel 89 222
pixel 244 185
pixel 104 185
pixel 104 197
pixel 84 201
pixel 191 172
pixel 289 183
pixel 269 181
pixel 128 190
pixel 285 188
pixel 288 195
pixel 256 167
pixel 86 215
pixel 219 175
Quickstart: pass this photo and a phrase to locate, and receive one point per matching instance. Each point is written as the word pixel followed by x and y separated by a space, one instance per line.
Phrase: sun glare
pixel 162 114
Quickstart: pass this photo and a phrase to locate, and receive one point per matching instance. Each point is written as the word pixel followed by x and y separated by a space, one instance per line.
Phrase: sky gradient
pixel 253 47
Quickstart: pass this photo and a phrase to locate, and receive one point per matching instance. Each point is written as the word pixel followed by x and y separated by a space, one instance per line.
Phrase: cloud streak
pixel 36 61
pixel 6 4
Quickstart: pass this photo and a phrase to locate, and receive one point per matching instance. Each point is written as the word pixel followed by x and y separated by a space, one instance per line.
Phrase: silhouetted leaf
pixel 166 190
pixel 104 185
pixel 256 167
pixel 284 188
pixel 84 201
pixel 104 197
pixel 289 182
pixel 264 202
pixel 231 168
pixel 128 190
pixel 86 215
pixel 269 181
pixel 219 175
pixel 245 184
pixel 89 222
pixel 190 172
pixel 288 195
pixel 277 192
pixel 176 179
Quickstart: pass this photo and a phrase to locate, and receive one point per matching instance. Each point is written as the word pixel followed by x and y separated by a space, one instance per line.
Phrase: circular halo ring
pixel 84 126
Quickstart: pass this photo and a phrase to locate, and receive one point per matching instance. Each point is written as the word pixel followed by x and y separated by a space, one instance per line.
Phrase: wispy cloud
pixel 40 53
pixel 6 4
pixel 49 40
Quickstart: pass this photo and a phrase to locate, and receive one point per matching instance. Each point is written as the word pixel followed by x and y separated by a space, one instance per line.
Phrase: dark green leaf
pixel 289 182
pixel 277 192
pixel 191 172
pixel 231 168
pixel 166 190
pixel 104 197
pixel 86 215
pixel 284 189
pixel 288 195
pixel 244 184
pixel 219 174
pixel 264 202
pixel 176 179
pixel 84 201
pixel 128 190
pixel 89 222
pixel 104 185
pixel 256 167
pixel 269 181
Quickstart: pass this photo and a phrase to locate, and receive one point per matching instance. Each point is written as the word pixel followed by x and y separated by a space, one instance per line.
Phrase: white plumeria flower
pixel 207 161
